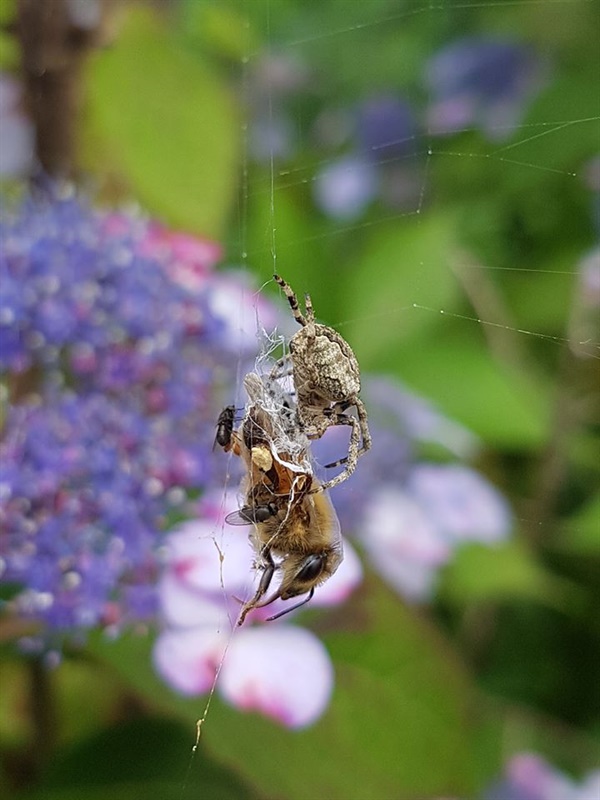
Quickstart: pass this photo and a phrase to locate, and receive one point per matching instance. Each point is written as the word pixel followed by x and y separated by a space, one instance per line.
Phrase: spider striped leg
pixel 292 300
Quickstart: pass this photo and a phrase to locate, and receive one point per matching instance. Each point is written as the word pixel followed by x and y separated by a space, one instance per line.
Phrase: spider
pixel 326 378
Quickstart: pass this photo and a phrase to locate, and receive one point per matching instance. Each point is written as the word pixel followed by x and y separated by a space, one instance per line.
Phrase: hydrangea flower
pixel 482 82
pixel 345 187
pixel 386 128
pixel 113 337
pixel 410 515
pixel 273 79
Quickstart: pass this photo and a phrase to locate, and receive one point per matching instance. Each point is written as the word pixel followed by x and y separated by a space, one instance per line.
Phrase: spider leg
pixel 292 300
pixel 364 427
pixel 340 419
pixel 352 457
pixel 310 314
pixel 336 412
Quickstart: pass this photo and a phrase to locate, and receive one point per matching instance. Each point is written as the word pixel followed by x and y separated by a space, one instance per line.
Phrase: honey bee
pixel 305 538
pixel 295 527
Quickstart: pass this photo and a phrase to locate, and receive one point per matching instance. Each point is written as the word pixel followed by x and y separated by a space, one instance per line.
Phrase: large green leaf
pixel 580 533
pixel 403 264
pixel 143 758
pixel 397 725
pixel 166 124
pixel 506 572
pixel 505 406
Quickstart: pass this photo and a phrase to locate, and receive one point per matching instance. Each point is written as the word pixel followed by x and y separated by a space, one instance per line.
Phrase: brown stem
pixel 43 714
pixel 567 416
pixel 53 47
pixel 500 332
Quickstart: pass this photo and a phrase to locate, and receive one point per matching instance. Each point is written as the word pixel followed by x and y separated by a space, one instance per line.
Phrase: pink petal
pixel 537 778
pixel 399 527
pixel 402 542
pixel 243 310
pixel 281 671
pixel 188 659
pixel 184 606
pixel 460 502
pixel 343 582
pixel 210 560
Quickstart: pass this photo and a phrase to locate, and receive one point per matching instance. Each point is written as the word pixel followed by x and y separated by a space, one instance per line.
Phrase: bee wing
pixel 237 518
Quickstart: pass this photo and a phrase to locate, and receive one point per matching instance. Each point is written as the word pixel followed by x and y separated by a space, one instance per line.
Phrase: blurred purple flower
pixel 462 504
pixel 344 188
pixel 271 137
pixel 403 542
pixel 282 671
pixel 386 128
pixel 16 152
pixel 381 165
pixel 272 82
pixel 528 776
pixel 79 507
pixel 584 322
pixel 410 515
pixel 480 82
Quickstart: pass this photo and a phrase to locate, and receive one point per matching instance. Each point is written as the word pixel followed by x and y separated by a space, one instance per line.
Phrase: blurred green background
pixel 469 291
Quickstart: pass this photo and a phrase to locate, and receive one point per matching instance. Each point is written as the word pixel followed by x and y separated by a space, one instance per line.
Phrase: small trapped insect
pixel 225 428
pixel 326 379
pixel 295 527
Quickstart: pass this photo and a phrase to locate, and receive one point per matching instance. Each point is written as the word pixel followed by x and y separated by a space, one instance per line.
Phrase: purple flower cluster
pixel 473 83
pixel 81 502
pixel 112 336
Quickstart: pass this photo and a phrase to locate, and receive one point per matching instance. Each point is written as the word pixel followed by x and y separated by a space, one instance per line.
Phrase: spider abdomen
pixel 325 364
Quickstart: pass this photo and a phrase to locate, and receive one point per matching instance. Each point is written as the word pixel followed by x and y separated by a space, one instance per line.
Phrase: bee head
pixel 301 578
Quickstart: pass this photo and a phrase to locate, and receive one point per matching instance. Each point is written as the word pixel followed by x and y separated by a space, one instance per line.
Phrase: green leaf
pixel 166 123
pixel 291 233
pixel 401 695
pixel 147 757
pixel 506 407
pixel 402 264
pixel 218 29
pixel 581 532
pixel 505 572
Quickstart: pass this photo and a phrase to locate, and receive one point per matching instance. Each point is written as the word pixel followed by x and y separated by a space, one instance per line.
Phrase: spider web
pixel 531 148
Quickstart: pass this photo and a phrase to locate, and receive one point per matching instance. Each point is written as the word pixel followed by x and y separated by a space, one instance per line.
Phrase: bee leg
pixel 293 608
pixel 265 582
